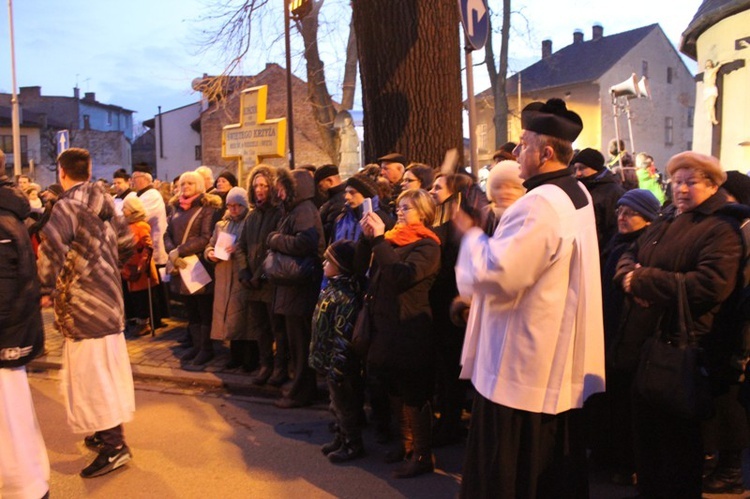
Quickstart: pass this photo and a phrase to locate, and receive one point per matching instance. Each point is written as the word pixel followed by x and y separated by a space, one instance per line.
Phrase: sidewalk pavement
pixel 158 357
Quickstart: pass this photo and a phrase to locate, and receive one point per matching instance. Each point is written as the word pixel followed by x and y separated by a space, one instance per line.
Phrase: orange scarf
pixel 402 234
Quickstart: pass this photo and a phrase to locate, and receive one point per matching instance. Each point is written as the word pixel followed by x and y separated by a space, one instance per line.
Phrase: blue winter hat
pixel 643 201
pixel 237 195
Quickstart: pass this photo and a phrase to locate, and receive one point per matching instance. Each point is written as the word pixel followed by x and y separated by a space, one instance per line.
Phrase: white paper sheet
pixel 194 276
pixel 224 241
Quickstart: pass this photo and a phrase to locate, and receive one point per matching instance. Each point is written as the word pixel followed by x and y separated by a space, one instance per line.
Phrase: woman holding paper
pixel 230 297
pixel 189 229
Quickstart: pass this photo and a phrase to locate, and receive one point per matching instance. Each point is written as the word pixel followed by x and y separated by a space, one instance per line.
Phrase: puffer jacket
pixel 21 329
pixel 300 233
pixel 83 246
pixel 196 241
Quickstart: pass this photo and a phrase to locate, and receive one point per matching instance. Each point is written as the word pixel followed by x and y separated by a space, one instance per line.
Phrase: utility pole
pixel 15 113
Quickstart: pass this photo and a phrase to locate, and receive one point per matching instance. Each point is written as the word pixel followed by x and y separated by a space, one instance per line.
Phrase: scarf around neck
pixel 185 203
pixel 403 234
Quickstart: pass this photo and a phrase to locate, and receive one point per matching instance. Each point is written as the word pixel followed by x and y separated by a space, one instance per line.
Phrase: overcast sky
pixel 142 54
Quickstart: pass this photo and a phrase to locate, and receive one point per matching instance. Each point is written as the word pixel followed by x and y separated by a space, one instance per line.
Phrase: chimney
pixel 89 96
pixel 577 36
pixel 546 48
pixel 76 93
pixel 30 92
pixel 597 32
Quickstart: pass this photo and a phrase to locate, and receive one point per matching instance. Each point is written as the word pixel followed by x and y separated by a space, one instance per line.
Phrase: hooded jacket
pixel 300 233
pixel 251 248
pixel 83 246
pixel 605 190
pixel 21 329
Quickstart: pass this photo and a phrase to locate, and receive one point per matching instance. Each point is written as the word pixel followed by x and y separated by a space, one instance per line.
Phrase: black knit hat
pixel 738 185
pixel 325 171
pixel 363 184
pixel 552 118
pixel 643 201
pixel 341 253
pixel 229 177
pixel 589 157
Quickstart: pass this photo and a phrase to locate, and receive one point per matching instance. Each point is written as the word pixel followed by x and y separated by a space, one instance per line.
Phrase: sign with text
pixel 254 137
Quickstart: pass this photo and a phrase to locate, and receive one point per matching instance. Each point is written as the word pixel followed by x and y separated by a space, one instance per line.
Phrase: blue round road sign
pixel 476 21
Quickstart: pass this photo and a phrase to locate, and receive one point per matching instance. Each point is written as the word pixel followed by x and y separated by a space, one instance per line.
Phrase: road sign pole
pixel 472 112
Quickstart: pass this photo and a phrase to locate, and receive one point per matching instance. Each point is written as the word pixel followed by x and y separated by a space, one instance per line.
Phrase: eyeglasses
pixel 627 212
pixel 408 180
pixel 404 208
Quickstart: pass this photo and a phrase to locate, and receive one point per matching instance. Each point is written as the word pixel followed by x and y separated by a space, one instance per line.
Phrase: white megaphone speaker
pixel 628 88
pixel 643 90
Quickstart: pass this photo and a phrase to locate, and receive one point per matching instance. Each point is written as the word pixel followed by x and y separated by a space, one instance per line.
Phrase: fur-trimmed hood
pixel 205 199
pixel 267 171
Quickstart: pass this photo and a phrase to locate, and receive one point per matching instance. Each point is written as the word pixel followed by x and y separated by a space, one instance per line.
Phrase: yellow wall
pixel 718 44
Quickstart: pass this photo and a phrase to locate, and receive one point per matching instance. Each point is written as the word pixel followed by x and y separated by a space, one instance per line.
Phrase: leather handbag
pixel 670 375
pixel 282 269
pixel 362 333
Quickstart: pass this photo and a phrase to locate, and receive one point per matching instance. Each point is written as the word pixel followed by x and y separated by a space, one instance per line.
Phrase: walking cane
pixel 150 298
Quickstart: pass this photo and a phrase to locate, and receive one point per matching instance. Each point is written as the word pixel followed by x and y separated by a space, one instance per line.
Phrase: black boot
pixel 263 376
pixel 405 438
pixel 251 359
pixel 206 352
pixel 332 446
pixel 727 477
pixel 421 461
pixel 349 450
pixel 235 355
pixel 194 331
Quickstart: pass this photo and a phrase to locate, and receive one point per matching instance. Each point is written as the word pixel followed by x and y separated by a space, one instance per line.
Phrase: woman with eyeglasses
pixel 694 241
pixel 418 176
pixel 405 261
pixel 609 413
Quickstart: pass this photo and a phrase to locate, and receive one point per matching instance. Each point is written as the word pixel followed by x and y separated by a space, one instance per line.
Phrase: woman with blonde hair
pixel 405 261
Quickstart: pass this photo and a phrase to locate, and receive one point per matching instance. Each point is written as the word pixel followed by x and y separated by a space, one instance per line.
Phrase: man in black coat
pixel 328 181
pixel 24 466
pixel 604 188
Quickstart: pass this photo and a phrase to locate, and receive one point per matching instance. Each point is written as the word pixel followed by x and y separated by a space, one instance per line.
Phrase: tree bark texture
pixel 320 99
pixel 410 66
pixel 498 77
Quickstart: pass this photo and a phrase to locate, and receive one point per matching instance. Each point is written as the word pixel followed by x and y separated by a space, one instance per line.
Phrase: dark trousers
pixel 346 404
pixel 267 328
pixel 200 309
pixel 113 438
pixel 299 331
pixel 668 453
pixel 512 453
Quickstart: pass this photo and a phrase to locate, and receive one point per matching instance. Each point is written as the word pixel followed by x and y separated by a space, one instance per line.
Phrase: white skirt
pixel 24 465
pixel 97 383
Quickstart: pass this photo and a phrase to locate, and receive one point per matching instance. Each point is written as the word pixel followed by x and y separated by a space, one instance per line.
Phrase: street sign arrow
pixel 62 141
pixel 475 19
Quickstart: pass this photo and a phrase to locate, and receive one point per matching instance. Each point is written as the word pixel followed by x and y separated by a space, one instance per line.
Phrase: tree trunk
pixel 349 85
pixel 320 99
pixel 410 65
pixel 498 77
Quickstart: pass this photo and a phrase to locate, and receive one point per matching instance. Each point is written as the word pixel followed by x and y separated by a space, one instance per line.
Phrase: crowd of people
pixel 406 290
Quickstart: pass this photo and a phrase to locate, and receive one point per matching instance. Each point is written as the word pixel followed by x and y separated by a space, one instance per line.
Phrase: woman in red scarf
pixel 405 261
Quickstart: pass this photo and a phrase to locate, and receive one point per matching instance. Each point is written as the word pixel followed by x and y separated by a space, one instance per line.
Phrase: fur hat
pixel 643 201
pixel 325 171
pixel 341 253
pixel 505 171
pixel 708 165
pixel 363 184
pixel 589 157
pixel 552 118
pixel 237 195
pixel 134 205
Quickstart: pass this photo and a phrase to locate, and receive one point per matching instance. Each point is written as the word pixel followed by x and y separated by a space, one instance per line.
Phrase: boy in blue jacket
pixel 331 353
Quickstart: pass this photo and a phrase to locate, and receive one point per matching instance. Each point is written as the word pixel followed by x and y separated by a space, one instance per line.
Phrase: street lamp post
pixel 296 9
pixel 15 113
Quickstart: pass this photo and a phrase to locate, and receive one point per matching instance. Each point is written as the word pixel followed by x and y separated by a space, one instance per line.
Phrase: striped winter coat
pixel 83 246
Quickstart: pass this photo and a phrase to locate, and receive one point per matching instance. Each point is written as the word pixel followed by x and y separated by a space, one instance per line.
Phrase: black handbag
pixel 670 375
pixel 362 333
pixel 282 269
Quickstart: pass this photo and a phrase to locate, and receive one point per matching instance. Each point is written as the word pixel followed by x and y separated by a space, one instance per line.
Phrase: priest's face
pixel 529 154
